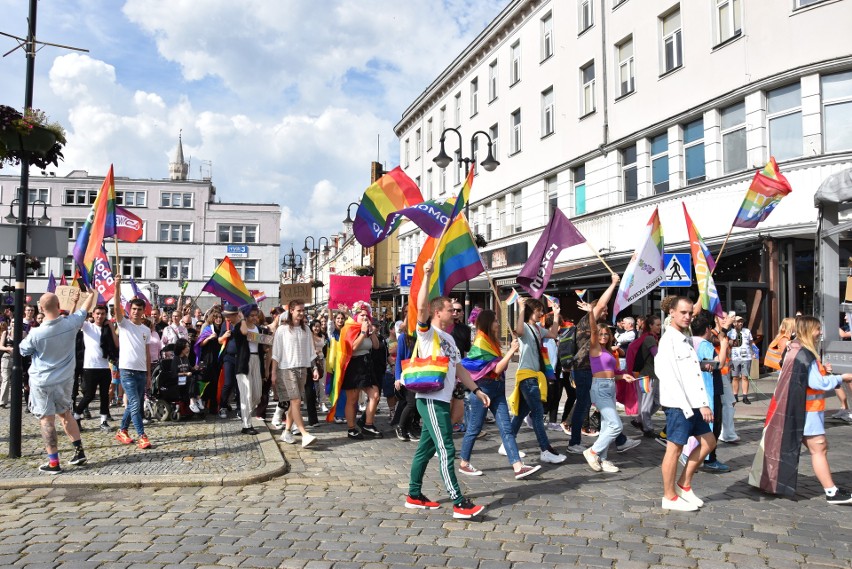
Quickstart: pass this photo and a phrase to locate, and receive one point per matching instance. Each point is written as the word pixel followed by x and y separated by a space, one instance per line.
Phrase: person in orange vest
pixel 797 415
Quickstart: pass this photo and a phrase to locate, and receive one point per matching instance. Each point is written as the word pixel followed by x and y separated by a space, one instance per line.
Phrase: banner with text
pixel 347 290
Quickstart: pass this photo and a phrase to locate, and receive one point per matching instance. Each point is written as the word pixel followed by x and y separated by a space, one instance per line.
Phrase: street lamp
pixel 293 262
pixel 12 217
pixel 348 222
pixel 313 253
pixel 442 160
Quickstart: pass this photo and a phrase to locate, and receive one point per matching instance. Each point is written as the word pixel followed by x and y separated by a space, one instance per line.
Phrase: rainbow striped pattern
pixel 580 292
pixel 227 284
pixel 464 195
pixel 644 383
pixel 513 297
pixel 390 193
pixel 339 354
pixel 483 357
pixel 767 189
pixel 704 265
pixel 425 375
pixel 548 367
pixel 552 301
pixel 99 224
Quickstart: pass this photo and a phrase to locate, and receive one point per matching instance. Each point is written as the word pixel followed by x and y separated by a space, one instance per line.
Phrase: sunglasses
pixel 457 309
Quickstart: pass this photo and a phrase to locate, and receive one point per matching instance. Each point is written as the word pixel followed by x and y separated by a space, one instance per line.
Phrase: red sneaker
pixel 467 509
pixel 122 437
pixel 420 502
pixel 143 442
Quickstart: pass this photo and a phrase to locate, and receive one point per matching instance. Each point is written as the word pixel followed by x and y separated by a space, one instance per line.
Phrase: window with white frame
pixel 626 72
pixel 519 211
pixel 515 59
pixel 80 196
pixel 406 151
pixel 237 233
pixel 547 36
pixel 247 268
pixel 429 189
pixel 38 194
pixel 803 3
pixel 494 132
pixel 130 266
pixel 837 111
pixel 587 89
pixel 660 163
pixel 41 271
pixel 733 122
pixel 515 146
pixel 74 226
pixel 784 111
pixel 493 77
pixel 417 181
pixel 429 134
pixel 672 42
pixel 176 232
pixel 547 115
pixel 176 199
pixel 474 96
pixel 457 109
pixel 552 195
pixel 457 169
pixel 418 143
pixel 693 148
pixel 442 118
pixel 68 266
pixel 442 183
pixel 629 174
pixel 728 20
pixel 585 15
pixel 130 198
pixel 503 230
pixel 173 269
pixel 474 148
pixel 580 190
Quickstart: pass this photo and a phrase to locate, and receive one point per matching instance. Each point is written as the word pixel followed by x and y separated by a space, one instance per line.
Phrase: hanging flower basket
pixel 317 284
pixel 39 141
pixel 30 135
pixel 364 271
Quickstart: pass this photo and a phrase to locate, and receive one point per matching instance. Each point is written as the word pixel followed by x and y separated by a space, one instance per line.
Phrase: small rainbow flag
pixel 483 357
pixel 390 193
pixel 227 284
pixel 513 297
pixel 581 292
pixel 767 189
pixel 552 301
pixel 644 383
pixel 98 225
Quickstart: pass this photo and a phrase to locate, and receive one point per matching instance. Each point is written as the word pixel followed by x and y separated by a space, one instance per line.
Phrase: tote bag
pixel 425 375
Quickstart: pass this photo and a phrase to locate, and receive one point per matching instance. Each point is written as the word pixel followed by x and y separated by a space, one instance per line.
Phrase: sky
pixel 288 101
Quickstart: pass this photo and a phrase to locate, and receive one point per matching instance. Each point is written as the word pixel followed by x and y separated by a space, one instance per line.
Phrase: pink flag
pixel 559 234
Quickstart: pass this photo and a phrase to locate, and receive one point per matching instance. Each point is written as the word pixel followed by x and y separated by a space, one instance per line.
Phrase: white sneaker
pixel 307 439
pixel 277 418
pixel 528 421
pixel 593 460
pixel 547 456
pixel 324 408
pixel 554 426
pixel 223 413
pixel 607 466
pixel 680 505
pixel 193 406
pixel 502 451
pixel 689 496
pixel 628 444
pixel 295 430
pixel 288 437
pixel 362 408
pixel 576 449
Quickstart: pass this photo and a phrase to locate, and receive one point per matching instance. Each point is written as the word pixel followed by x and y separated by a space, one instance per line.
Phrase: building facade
pixel 609 109
pixel 186 232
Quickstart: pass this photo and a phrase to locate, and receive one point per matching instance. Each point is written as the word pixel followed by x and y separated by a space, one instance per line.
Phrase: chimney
pixel 376 171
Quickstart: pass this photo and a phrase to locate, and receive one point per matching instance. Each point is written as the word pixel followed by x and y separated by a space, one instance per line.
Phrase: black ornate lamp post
pixel 313 253
pixel 293 262
pixel 348 223
pixel 442 160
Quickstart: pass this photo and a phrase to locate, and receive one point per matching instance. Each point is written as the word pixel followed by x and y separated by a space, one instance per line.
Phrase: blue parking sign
pixel 406 274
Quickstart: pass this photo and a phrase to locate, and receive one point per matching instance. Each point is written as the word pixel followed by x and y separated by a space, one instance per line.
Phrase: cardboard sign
pixel 70 298
pixel 298 291
pixel 346 291
pixel 265 339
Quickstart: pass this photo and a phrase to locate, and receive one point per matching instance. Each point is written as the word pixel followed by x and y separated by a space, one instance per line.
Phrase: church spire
pixel 178 169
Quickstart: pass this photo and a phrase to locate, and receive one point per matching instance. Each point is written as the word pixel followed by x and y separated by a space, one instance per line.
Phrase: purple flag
pixel 51 283
pixel 432 216
pixel 559 234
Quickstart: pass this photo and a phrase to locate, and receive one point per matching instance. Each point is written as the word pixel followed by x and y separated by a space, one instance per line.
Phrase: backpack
pixel 566 347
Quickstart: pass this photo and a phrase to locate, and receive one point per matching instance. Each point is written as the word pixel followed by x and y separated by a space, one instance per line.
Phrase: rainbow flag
pixel 390 193
pixel 227 284
pixel 513 297
pixel 464 195
pixel 339 354
pixel 99 224
pixel 548 367
pixel 767 189
pixel 483 357
pixel 552 301
pixel 457 260
pixel 645 271
pixel 704 265
pixel 580 292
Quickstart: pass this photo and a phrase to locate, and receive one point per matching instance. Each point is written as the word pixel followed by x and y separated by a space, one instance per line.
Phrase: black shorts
pixel 359 373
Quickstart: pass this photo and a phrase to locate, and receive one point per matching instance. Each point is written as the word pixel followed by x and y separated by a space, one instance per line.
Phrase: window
pixel 785 122
pixel 457 111
pixel 246 267
pixel 179 232
pixel 474 96
pixel 429 190
pixel 660 163
pixel 39 272
pixel 546 36
pixel 729 20
pixel 515 57
pixel 442 186
pixel 238 234
pixel 585 16
pixel 629 174
pixel 803 3
pixel 80 196
pixel 503 229
pixel 68 267
pixel 417 181
pixel 626 72
pixel 39 194
pixel 516 132
pixel 547 116
pixel 130 199
pixel 442 115
pixel 174 269
pixel 672 47
pixel 74 226
pixel 587 91
pixel 580 190
pixel 494 132
pixel 429 134
pixel 552 195
pixel 457 171
pixel 406 150
pixel 693 145
pixel 519 211
pixel 176 199
pixel 130 266
pixel 617 3
pixel 837 111
pixel 418 143
pixel 734 138
pixel 493 76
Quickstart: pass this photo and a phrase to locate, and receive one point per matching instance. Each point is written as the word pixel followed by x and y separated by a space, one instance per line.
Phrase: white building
pixel 187 232
pixel 608 109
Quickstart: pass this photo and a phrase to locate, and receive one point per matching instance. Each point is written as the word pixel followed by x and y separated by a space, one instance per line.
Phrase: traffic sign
pixel 678 270
pixel 406 274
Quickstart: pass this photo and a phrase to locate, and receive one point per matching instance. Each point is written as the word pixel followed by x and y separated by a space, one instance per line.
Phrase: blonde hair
pixel 787 327
pixel 805 328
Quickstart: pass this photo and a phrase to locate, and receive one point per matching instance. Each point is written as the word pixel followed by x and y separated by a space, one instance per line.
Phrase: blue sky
pixel 286 98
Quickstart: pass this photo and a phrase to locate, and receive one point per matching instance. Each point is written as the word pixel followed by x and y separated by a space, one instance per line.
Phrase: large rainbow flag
pixel 99 224
pixel 483 357
pixel 227 284
pixel 645 270
pixel 704 265
pixel 390 193
pixel 767 189
pixel 339 354
pixel 456 260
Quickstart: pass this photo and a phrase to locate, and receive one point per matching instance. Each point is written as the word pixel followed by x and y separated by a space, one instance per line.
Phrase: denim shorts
pixel 679 428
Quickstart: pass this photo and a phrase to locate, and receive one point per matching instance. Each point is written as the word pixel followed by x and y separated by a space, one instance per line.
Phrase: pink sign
pixel 348 290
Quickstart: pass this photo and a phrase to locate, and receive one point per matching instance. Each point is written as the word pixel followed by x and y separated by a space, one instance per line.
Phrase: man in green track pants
pixel 434 408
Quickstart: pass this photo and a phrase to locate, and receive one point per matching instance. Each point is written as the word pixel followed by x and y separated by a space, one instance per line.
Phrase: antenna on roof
pixel 378 148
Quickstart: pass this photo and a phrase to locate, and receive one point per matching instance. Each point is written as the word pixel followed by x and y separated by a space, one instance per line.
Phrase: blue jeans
pixel 495 389
pixel 133 382
pixel 531 405
pixel 229 363
pixel 583 383
pixel 603 396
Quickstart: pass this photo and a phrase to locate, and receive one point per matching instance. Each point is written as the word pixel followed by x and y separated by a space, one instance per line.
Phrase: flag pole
pixel 719 255
pixel 598 255
pixel 117 258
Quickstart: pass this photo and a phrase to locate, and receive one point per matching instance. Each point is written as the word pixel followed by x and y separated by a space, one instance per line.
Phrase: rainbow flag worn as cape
pixel 339 354
pixel 98 225
pixel 206 332
pixel 767 189
pixel 483 357
pixel 704 264
pixel 227 284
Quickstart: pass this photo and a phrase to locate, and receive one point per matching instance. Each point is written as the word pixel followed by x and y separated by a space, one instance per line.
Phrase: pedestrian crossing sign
pixel 678 269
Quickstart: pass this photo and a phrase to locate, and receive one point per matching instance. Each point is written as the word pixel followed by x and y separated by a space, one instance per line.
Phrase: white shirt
pixel 293 347
pixel 133 345
pixel 172 334
pixel 425 345
pixel 676 365
pixel 743 351
pixel 93 355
